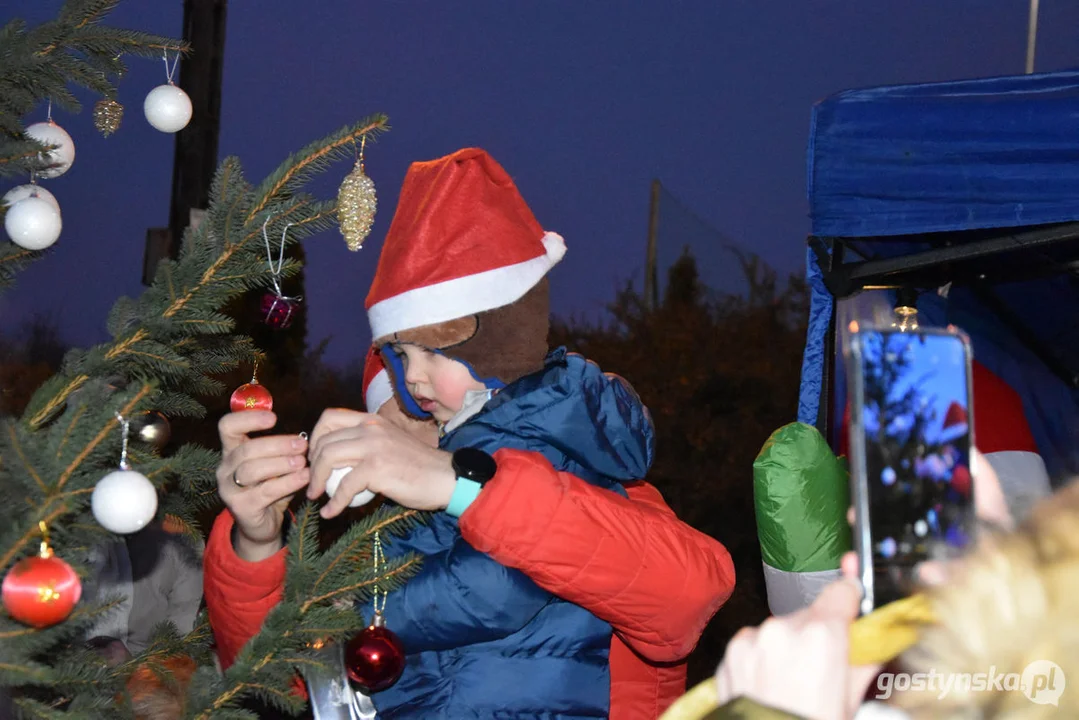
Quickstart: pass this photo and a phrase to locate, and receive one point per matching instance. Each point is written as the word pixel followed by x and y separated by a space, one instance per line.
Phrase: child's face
pixel 437 383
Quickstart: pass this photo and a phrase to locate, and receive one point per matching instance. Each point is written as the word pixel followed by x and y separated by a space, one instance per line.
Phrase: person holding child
pixel 459 309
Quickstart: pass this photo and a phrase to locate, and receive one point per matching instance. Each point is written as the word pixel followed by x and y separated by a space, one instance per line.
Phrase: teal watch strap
pixel 463 494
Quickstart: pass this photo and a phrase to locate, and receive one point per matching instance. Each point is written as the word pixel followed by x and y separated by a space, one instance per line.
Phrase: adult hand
pixel 799 663
pixel 989 507
pixel 257 478
pixel 384 459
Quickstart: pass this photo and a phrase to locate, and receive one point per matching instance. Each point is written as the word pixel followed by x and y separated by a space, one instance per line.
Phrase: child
pixel 459 307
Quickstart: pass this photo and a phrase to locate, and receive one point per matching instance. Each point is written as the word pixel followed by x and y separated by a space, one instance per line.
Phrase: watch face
pixel 474 464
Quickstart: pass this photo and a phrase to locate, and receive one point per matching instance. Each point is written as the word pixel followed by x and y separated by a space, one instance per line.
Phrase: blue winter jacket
pixel 483 640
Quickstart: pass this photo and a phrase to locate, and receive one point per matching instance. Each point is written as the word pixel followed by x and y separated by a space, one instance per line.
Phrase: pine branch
pixel 14 259
pixel 100 436
pixel 15 445
pixel 314 158
pixel 166 347
pixel 43 63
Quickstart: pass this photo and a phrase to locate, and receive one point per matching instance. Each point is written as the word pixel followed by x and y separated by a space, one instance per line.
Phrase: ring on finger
pixel 235 481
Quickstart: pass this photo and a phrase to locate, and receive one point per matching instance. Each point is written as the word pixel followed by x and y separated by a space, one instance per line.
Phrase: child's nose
pixel 413 374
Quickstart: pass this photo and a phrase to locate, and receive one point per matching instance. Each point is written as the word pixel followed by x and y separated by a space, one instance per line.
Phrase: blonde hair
pixel 1013 601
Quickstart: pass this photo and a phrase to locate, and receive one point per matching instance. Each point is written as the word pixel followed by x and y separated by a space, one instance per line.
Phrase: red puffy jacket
pixel 630 562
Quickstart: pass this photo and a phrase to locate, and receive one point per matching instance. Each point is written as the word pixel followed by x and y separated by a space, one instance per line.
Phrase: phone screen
pixel 913 489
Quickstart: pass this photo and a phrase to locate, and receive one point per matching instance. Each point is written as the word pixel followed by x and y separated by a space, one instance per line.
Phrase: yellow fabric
pixel 887 631
pixel 695 704
pixel 874 638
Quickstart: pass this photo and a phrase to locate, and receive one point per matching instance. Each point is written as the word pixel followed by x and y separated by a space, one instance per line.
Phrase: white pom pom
pixel 55 162
pixel 362 498
pixel 124 501
pixel 167 108
pixel 33 223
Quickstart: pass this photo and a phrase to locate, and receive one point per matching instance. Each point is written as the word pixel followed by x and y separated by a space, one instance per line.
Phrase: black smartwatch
pixel 474 468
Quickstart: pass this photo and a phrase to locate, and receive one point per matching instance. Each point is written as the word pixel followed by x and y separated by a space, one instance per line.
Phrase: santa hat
pixel 463 269
pixel 462 241
pixel 376 382
pixel 1003 436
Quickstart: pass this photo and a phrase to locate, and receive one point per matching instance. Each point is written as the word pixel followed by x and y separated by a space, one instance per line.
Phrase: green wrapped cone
pixel 801 495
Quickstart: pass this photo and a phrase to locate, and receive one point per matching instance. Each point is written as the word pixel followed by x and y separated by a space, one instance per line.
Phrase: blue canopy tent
pixel 966 195
pixel 973 183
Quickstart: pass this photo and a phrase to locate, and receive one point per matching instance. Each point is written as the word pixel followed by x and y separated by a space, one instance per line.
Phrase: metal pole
pixel 1032 35
pixel 651 284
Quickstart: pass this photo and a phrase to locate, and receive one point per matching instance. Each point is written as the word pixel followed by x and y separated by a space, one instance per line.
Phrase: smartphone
pixel 911 433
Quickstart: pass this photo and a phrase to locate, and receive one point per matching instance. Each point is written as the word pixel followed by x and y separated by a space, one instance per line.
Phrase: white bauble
pixel 55 162
pixel 167 108
pixel 19 192
pixel 33 223
pixel 362 498
pixel 124 501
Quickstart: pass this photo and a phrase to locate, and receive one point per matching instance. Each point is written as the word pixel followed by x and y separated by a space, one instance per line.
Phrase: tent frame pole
pixel 846 279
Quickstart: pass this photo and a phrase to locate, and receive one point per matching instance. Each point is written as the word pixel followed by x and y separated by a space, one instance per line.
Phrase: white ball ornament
pixel 19 192
pixel 57 161
pixel 124 501
pixel 167 108
pixel 33 223
pixel 362 498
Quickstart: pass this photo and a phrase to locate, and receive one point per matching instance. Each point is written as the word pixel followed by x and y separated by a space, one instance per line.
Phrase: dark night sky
pixel 583 102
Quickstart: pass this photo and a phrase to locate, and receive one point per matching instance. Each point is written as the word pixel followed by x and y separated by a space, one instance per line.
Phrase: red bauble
pixel 251 396
pixel 41 590
pixel 277 311
pixel 375 658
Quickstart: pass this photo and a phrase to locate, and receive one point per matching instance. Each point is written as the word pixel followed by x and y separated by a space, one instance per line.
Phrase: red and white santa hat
pixel 1003 436
pixel 462 241
pixel 377 390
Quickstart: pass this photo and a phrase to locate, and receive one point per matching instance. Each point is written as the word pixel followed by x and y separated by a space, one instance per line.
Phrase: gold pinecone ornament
pixel 356 204
pixel 107 116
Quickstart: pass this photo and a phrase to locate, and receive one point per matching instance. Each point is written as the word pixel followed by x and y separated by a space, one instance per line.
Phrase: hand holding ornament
pixel 386 460
pixel 257 478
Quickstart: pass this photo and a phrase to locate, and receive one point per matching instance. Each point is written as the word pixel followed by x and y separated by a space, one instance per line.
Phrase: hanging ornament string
pixel 170 72
pixel 45 551
pixel 275 271
pixel 375 658
pixel 380 562
pixel 124 465
pixel 277 308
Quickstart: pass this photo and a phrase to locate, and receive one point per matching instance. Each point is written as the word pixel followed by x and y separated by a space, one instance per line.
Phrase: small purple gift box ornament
pixel 278 310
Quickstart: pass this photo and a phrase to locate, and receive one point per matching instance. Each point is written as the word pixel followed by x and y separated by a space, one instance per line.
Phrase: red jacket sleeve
pixel 239 594
pixel 631 562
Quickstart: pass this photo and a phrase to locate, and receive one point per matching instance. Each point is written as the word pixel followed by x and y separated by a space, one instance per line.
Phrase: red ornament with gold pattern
pixel 251 396
pixel 41 590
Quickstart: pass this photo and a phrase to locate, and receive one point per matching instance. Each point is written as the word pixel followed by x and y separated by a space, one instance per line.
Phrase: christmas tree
pixel 167 349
